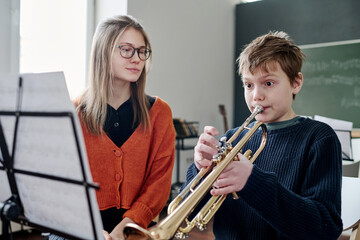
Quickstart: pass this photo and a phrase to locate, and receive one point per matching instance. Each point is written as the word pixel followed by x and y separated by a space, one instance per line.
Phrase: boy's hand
pixel 234 177
pixel 205 147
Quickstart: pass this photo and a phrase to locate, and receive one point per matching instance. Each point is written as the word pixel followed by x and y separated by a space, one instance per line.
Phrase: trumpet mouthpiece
pixel 258 109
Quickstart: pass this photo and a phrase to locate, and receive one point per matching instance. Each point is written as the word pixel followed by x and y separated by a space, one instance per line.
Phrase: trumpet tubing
pixel 181 207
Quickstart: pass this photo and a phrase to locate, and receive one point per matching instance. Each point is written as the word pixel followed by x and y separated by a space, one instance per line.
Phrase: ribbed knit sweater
pixel 294 190
pixel 136 176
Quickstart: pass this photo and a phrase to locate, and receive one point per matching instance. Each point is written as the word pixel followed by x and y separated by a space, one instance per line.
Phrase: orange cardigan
pixel 136 176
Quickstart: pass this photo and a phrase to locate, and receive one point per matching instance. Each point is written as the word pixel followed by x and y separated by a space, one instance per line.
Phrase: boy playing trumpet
pixel 293 189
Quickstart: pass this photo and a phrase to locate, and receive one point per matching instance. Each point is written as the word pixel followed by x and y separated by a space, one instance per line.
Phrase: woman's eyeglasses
pixel 127 51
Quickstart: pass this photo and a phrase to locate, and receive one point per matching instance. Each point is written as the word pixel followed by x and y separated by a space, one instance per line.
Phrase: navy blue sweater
pixel 294 190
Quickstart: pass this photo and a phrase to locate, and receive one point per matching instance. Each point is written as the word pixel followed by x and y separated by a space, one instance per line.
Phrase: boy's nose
pixel 258 94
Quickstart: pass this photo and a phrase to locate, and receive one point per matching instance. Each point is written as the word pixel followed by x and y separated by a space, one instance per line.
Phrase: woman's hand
pixel 205 147
pixel 117 232
pixel 106 235
pixel 234 177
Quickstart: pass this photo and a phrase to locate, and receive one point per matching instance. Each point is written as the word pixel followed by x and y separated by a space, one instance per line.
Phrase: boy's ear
pixel 298 83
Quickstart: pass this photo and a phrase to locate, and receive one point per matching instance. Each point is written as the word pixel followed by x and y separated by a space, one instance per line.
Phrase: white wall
pixel 108 8
pixel 9 36
pixel 193 55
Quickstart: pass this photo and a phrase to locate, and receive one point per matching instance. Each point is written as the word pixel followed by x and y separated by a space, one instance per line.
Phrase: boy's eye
pixel 247 85
pixel 269 84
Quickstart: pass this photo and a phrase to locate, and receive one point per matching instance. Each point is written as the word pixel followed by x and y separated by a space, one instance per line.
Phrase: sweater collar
pixel 283 124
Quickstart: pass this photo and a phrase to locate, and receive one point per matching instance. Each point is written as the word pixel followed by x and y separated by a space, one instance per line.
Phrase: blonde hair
pixel 93 102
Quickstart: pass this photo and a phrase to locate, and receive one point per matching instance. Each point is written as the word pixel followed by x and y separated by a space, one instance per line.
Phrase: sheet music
pixel 57 205
pixel 343 131
pixel 8 91
pixel 8 125
pixel 5 192
pixel 8 97
pixel 336 124
pixel 46 144
pixel 45 92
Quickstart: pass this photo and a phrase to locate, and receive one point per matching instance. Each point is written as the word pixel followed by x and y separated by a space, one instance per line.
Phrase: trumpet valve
pixel 181 235
pixel 217 157
pixel 248 153
pixel 201 226
pixel 222 142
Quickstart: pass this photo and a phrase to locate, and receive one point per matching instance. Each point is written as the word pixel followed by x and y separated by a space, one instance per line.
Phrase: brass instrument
pixel 180 208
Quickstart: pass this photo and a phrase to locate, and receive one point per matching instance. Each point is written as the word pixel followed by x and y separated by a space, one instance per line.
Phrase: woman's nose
pixel 135 58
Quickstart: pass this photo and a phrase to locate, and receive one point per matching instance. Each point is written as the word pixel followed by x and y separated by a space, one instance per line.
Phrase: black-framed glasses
pixel 127 51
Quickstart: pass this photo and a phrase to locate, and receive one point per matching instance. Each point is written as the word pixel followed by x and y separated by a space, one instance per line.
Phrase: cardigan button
pixel 117 153
pixel 117 177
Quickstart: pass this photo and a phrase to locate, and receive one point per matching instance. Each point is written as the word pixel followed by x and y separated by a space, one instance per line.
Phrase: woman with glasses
pixel 129 136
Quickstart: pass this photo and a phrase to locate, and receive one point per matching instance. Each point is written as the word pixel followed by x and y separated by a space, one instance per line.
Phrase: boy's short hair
pixel 274 46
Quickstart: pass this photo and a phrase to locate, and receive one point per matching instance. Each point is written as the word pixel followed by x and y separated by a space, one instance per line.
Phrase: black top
pixel 119 123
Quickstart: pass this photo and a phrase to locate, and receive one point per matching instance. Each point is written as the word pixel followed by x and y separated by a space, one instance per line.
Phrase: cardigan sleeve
pixel 156 187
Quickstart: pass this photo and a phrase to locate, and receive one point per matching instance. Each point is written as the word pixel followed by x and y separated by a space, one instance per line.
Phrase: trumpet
pixel 184 204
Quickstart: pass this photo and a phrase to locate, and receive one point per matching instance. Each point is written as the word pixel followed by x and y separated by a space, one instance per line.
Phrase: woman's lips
pixel 133 70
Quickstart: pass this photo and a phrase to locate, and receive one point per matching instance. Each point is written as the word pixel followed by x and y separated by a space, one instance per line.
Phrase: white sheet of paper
pixel 47 145
pixel 8 99
pixel 8 125
pixel 336 124
pixel 343 131
pixel 8 91
pixel 5 191
pixel 58 205
pixel 45 92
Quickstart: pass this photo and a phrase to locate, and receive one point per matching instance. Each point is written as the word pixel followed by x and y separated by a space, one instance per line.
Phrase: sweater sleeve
pixel 156 187
pixel 313 212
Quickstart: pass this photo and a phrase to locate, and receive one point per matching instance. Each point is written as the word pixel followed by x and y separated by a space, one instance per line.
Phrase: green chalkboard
pixel 331 82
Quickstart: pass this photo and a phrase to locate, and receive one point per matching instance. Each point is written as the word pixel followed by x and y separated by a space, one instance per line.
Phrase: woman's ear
pixel 297 85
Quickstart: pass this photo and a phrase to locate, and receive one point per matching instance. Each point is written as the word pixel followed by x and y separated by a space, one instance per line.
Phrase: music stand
pixel 43 159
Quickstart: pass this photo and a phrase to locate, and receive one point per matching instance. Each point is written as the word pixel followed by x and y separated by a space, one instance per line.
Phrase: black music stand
pixel 43 158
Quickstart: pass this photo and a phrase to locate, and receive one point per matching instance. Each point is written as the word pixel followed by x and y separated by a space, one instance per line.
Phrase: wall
pixel 107 8
pixel 193 44
pixel 9 36
pixel 193 59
